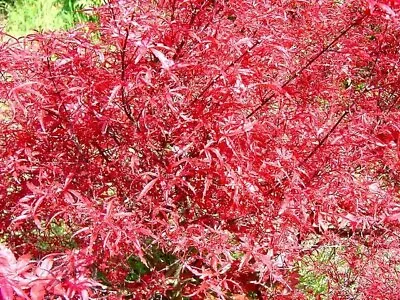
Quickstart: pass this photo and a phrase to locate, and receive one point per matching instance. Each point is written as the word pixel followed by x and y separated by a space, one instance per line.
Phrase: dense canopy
pixel 204 149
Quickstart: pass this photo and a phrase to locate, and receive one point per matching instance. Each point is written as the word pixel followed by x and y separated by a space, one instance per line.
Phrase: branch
pixel 212 81
pixel 309 63
pixel 313 151
pixel 322 142
pixel 125 105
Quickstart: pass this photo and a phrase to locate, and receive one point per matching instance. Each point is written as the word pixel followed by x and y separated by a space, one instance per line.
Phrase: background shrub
pixel 25 16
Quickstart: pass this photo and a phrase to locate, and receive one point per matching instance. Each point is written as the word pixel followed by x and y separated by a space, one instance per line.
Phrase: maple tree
pixel 201 149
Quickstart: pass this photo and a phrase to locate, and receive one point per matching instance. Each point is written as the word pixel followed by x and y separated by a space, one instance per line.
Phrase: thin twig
pixel 212 81
pixel 309 63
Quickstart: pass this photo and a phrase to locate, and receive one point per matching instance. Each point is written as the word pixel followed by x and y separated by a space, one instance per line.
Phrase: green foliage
pixel 315 283
pixel 326 270
pixel 237 255
pixel 56 236
pixel 75 9
pixel 26 16
pixel 136 269
pixel 312 283
pixel 100 276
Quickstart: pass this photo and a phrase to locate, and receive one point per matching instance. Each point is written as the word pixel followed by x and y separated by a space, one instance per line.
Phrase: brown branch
pixel 395 101
pixel 313 151
pixel 322 142
pixel 212 81
pixel 309 63
pixel 102 152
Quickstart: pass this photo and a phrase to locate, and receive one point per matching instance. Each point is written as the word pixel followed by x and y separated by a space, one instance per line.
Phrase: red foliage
pixel 197 147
